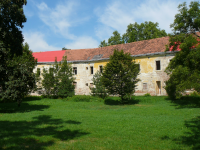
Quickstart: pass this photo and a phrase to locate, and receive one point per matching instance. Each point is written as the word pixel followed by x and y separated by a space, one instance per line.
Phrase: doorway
pixel 158 87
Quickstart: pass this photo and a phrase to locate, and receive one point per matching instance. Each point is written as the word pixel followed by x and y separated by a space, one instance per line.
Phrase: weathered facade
pixel 149 54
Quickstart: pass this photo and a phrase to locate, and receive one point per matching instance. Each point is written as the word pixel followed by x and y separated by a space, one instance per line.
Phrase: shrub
pixel 147 94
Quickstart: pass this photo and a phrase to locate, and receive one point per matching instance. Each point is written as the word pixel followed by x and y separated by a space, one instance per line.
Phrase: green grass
pixel 148 123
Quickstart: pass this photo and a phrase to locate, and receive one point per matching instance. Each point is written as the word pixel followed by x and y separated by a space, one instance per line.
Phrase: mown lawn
pixel 149 123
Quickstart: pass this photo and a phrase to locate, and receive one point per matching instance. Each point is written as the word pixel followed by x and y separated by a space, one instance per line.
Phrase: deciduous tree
pixel 120 75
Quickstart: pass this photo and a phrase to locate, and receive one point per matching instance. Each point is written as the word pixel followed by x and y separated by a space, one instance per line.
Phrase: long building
pixel 149 54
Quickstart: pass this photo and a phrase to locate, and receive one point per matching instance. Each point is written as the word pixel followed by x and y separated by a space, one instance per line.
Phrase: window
pixel 100 69
pixel 158 67
pixel 86 68
pixel 91 70
pixel 86 84
pixel 144 86
pixel 75 70
pixel 75 84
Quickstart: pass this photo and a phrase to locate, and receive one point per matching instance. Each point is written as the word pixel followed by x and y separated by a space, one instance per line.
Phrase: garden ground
pixel 80 123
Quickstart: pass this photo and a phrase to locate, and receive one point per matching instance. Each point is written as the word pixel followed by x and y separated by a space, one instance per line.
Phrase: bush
pixel 147 94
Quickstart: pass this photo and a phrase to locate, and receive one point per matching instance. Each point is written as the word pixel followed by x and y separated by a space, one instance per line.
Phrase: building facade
pixel 149 54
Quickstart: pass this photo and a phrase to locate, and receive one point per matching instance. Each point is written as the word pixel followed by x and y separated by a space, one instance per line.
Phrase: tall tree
pixel 20 79
pixel 65 75
pixel 136 32
pixel 11 19
pixel 99 89
pixel 183 69
pixel 58 80
pixel 188 19
pixel 120 75
pixel 143 31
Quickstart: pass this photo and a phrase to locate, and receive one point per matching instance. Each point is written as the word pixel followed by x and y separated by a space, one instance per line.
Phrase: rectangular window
pixel 144 86
pixel 158 67
pixel 100 69
pixel 74 70
pixel 91 70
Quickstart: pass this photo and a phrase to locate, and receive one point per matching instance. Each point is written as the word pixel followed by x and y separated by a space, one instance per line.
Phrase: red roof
pixel 49 56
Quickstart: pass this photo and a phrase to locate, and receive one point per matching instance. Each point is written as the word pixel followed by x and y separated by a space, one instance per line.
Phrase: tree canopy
pixel 120 75
pixel 188 19
pixel 19 79
pixel 135 32
pixel 183 69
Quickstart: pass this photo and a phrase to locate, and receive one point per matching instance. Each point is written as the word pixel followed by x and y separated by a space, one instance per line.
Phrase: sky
pixel 80 24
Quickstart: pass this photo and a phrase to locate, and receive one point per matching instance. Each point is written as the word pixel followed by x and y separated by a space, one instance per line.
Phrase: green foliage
pixel 147 95
pixel 99 90
pixel 143 31
pixel 136 32
pixel 120 75
pixel 20 78
pixel 195 93
pixel 11 38
pixel 58 80
pixel 184 68
pixel 65 76
pixel 188 19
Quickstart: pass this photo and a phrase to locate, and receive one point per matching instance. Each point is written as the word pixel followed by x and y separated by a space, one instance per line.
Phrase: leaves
pixel 120 75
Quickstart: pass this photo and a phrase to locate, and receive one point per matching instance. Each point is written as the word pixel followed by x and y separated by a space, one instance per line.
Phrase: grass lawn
pixel 150 123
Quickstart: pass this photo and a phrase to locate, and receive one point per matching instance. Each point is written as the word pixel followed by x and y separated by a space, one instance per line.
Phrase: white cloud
pixel 117 15
pixel 82 43
pixel 37 43
pixel 61 18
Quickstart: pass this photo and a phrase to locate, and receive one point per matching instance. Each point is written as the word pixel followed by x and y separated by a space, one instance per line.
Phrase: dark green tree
pixel 115 39
pixel 64 48
pixel 20 79
pixel 65 76
pixel 58 80
pixel 99 90
pixel 11 19
pixel 103 44
pixel 144 31
pixel 184 68
pixel 120 75
pixel 188 19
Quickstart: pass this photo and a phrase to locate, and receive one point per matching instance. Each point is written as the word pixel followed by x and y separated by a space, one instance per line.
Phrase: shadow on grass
pixel 33 134
pixel 32 98
pixel 187 102
pixel 116 101
pixel 190 138
pixel 25 107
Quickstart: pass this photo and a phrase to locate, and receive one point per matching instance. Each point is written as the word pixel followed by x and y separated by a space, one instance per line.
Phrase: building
pixel 149 54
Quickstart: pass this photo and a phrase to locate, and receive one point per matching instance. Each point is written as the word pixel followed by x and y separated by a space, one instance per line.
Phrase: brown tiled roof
pixel 134 48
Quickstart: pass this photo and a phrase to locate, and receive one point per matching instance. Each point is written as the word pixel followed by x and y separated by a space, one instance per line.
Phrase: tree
pixel 20 79
pixel 99 90
pixel 184 69
pixel 113 40
pixel 64 48
pixel 11 20
pixel 143 31
pixel 188 19
pixel 65 86
pixel 58 80
pixel 120 75
pixel 136 32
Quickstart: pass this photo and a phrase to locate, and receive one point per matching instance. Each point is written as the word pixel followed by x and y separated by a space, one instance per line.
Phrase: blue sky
pixel 80 24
